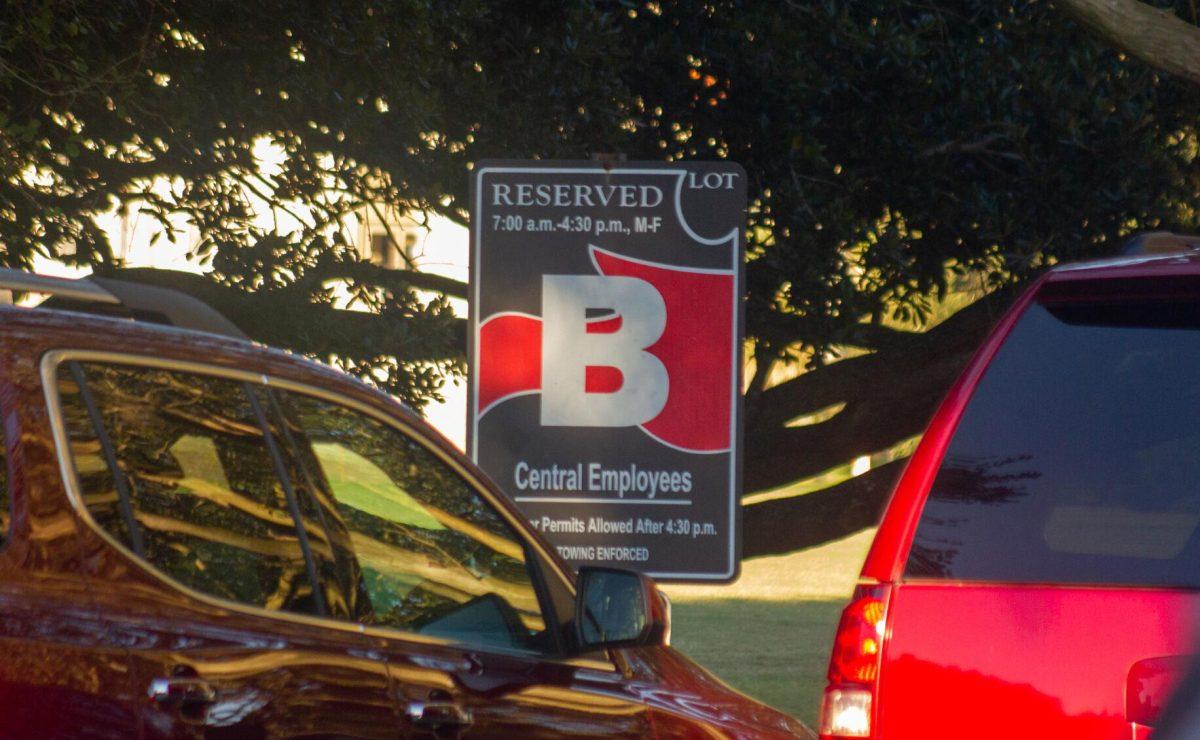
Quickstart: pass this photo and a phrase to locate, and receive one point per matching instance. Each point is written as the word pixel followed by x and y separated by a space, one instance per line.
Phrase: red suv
pixel 203 536
pixel 1036 571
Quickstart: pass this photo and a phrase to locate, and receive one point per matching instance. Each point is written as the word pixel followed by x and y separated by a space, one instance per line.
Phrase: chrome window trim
pixel 49 371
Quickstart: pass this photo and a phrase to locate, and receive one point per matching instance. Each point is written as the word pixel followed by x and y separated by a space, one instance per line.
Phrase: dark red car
pixel 204 536
pixel 1036 571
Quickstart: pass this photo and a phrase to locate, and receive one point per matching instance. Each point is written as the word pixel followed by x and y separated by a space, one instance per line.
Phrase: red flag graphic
pixel 694 347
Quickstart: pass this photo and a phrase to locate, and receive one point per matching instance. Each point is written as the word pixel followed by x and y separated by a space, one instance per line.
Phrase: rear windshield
pixel 1077 459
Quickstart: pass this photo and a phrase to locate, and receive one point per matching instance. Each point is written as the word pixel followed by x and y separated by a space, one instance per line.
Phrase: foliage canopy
pixel 892 146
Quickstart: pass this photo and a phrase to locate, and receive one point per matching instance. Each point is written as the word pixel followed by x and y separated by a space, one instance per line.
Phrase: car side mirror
pixel 619 608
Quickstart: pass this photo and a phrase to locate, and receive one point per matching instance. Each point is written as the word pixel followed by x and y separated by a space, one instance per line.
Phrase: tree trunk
pixel 288 318
pixel 786 525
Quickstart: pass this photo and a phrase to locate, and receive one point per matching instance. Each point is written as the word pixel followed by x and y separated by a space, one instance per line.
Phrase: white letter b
pixel 568 350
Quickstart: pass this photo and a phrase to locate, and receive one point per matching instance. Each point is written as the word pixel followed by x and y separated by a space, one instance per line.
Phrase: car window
pixel 176 467
pixel 336 568
pixel 435 557
pixel 1078 456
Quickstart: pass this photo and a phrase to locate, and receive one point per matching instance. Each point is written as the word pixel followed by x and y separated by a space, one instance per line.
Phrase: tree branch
pixel 287 318
pixel 1154 35
pixel 795 523
pixel 888 396
pixel 368 272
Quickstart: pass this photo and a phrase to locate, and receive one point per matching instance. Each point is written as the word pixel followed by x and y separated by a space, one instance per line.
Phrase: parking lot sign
pixel 605 357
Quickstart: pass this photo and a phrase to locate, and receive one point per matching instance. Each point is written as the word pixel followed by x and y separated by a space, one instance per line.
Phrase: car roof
pixel 71 322
pixel 84 330
pixel 1129 266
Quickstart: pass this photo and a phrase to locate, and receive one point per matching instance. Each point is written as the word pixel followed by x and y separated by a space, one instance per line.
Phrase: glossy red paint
pixel 87 633
pixel 1001 660
pixel 996 661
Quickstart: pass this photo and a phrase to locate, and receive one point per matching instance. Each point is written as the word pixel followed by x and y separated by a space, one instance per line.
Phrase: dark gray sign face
pixel 605 357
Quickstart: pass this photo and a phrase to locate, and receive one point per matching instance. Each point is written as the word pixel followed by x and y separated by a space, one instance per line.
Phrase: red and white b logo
pixel 661 358
pixel 574 352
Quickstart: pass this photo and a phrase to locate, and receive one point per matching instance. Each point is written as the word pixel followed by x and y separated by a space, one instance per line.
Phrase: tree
pixel 889 140
pixel 371 105
pixel 897 152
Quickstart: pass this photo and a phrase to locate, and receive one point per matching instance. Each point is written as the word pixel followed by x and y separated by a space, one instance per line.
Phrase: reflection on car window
pixel 194 490
pixel 435 557
pixel 336 568
pixel 206 479
pixel 1077 458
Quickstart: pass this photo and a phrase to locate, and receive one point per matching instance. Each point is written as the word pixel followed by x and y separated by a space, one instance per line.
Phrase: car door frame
pixel 57 672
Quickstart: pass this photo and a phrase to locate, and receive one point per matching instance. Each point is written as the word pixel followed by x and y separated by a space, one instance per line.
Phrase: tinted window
pixel 335 564
pixel 194 490
pixel 1078 458
pixel 435 557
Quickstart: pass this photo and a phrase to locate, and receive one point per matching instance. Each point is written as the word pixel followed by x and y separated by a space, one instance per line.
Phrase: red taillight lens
pixel 859 637
pixel 854 665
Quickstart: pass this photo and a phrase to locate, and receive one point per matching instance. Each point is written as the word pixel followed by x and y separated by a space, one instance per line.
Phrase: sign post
pixel 605 356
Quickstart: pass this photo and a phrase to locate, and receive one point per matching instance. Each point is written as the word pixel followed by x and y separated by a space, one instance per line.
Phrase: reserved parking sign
pixel 605 357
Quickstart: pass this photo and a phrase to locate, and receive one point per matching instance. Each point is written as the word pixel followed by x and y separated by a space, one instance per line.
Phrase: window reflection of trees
pixel 441 545
pixel 962 481
pixel 337 568
pixel 223 530
pixel 396 536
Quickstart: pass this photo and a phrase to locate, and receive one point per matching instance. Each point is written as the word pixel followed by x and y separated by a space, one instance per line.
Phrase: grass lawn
pixel 769 633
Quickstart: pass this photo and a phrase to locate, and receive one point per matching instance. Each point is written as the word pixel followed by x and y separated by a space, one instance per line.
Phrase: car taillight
pixel 854 666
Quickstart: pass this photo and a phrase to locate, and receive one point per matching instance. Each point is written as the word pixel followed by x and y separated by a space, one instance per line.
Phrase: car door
pixel 212 565
pixel 55 676
pixel 455 589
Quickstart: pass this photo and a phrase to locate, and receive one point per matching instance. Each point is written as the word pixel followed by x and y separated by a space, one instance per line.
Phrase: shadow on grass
pixel 775 651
